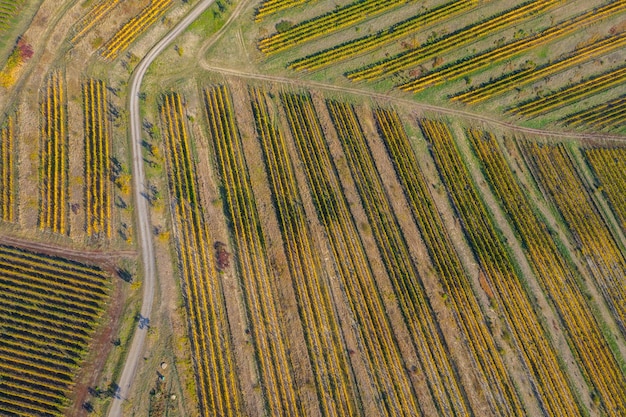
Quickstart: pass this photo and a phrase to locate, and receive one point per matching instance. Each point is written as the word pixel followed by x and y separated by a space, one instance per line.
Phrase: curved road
pixel 142 209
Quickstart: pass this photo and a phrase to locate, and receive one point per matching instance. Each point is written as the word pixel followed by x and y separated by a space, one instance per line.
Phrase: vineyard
pixel 212 350
pixel 571 94
pixel 269 7
pixel 466 65
pixel 90 19
pixel 359 46
pixel 335 387
pixel 609 115
pixel 419 317
pixel 609 168
pixel 128 33
pixel 554 171
pixel 499 387
pixel 531 74
pixel 463 36
pixel 270 342
pixel 97 159
pixel 549 381
pixel 381 353
pixel 555 276
pixel 446 44
pixel 54 158
pixel 49 308
pixel 323 25
pixel 7 171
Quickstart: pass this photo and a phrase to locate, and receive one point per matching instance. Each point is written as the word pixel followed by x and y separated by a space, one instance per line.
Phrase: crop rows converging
pixel 571 94
pixel 212 347
pixel 362 45
pixel 608 115
pixel 49 308
pixel 8 10
pixel 456 39
pixel 53 173
pixel 7 171
pixel 498 386
pixel 527 75
pixel 609 168
pixel 531 341
pixel 483 59
pixel 97 159
pixel 554 171
pixel 555 277
pixel 337 393
pixel 269 7
pixel 436 363
pixel 132 29
pixel 96 13
pixel 383 359
pixel 277 380
pixel 325 24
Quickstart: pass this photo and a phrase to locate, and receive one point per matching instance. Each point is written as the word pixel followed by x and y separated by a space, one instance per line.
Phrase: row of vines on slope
pixel 95 14
pixel 362 45
pixel 271 344
pixel 483 59
pixel 527 75
pixel 608 115
pixel 456 39
pixel 556 174
pixel 498 385
pixel 556 278
pixel 49 308
pixel 97 158
pixel 269 7
pixel 53 210
pixel 549 380
pixel 336 388
pixel 325 24
pixel 7 171
pixel 435 358
pixel 571 94
pixel 383 359
pixel 132 29
pixel 211 344
pixel 609 167
pixel 8 10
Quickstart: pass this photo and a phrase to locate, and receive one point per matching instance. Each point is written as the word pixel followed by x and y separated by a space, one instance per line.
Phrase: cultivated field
pixel 356 208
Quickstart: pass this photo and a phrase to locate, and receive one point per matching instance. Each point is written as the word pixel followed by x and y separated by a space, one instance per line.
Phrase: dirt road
pixel 142 210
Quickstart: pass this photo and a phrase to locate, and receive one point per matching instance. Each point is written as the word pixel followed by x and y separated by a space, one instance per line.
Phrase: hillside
pixel 349 207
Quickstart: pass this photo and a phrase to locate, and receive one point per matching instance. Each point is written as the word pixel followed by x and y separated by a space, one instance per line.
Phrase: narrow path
pixel 422 106
pixel 142 210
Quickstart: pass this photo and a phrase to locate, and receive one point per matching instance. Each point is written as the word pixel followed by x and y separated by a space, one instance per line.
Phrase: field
pixel 213 357
pixel 7 170
pixel 502 397
pixel 97 159
pixel 329 356
pixel 555 173
pixel 50 310
pixel 556 277
pixel 132 29
pixel 553 388
pixel 312 208
pixel 487 57
pixel 609 167
pixel 53 210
